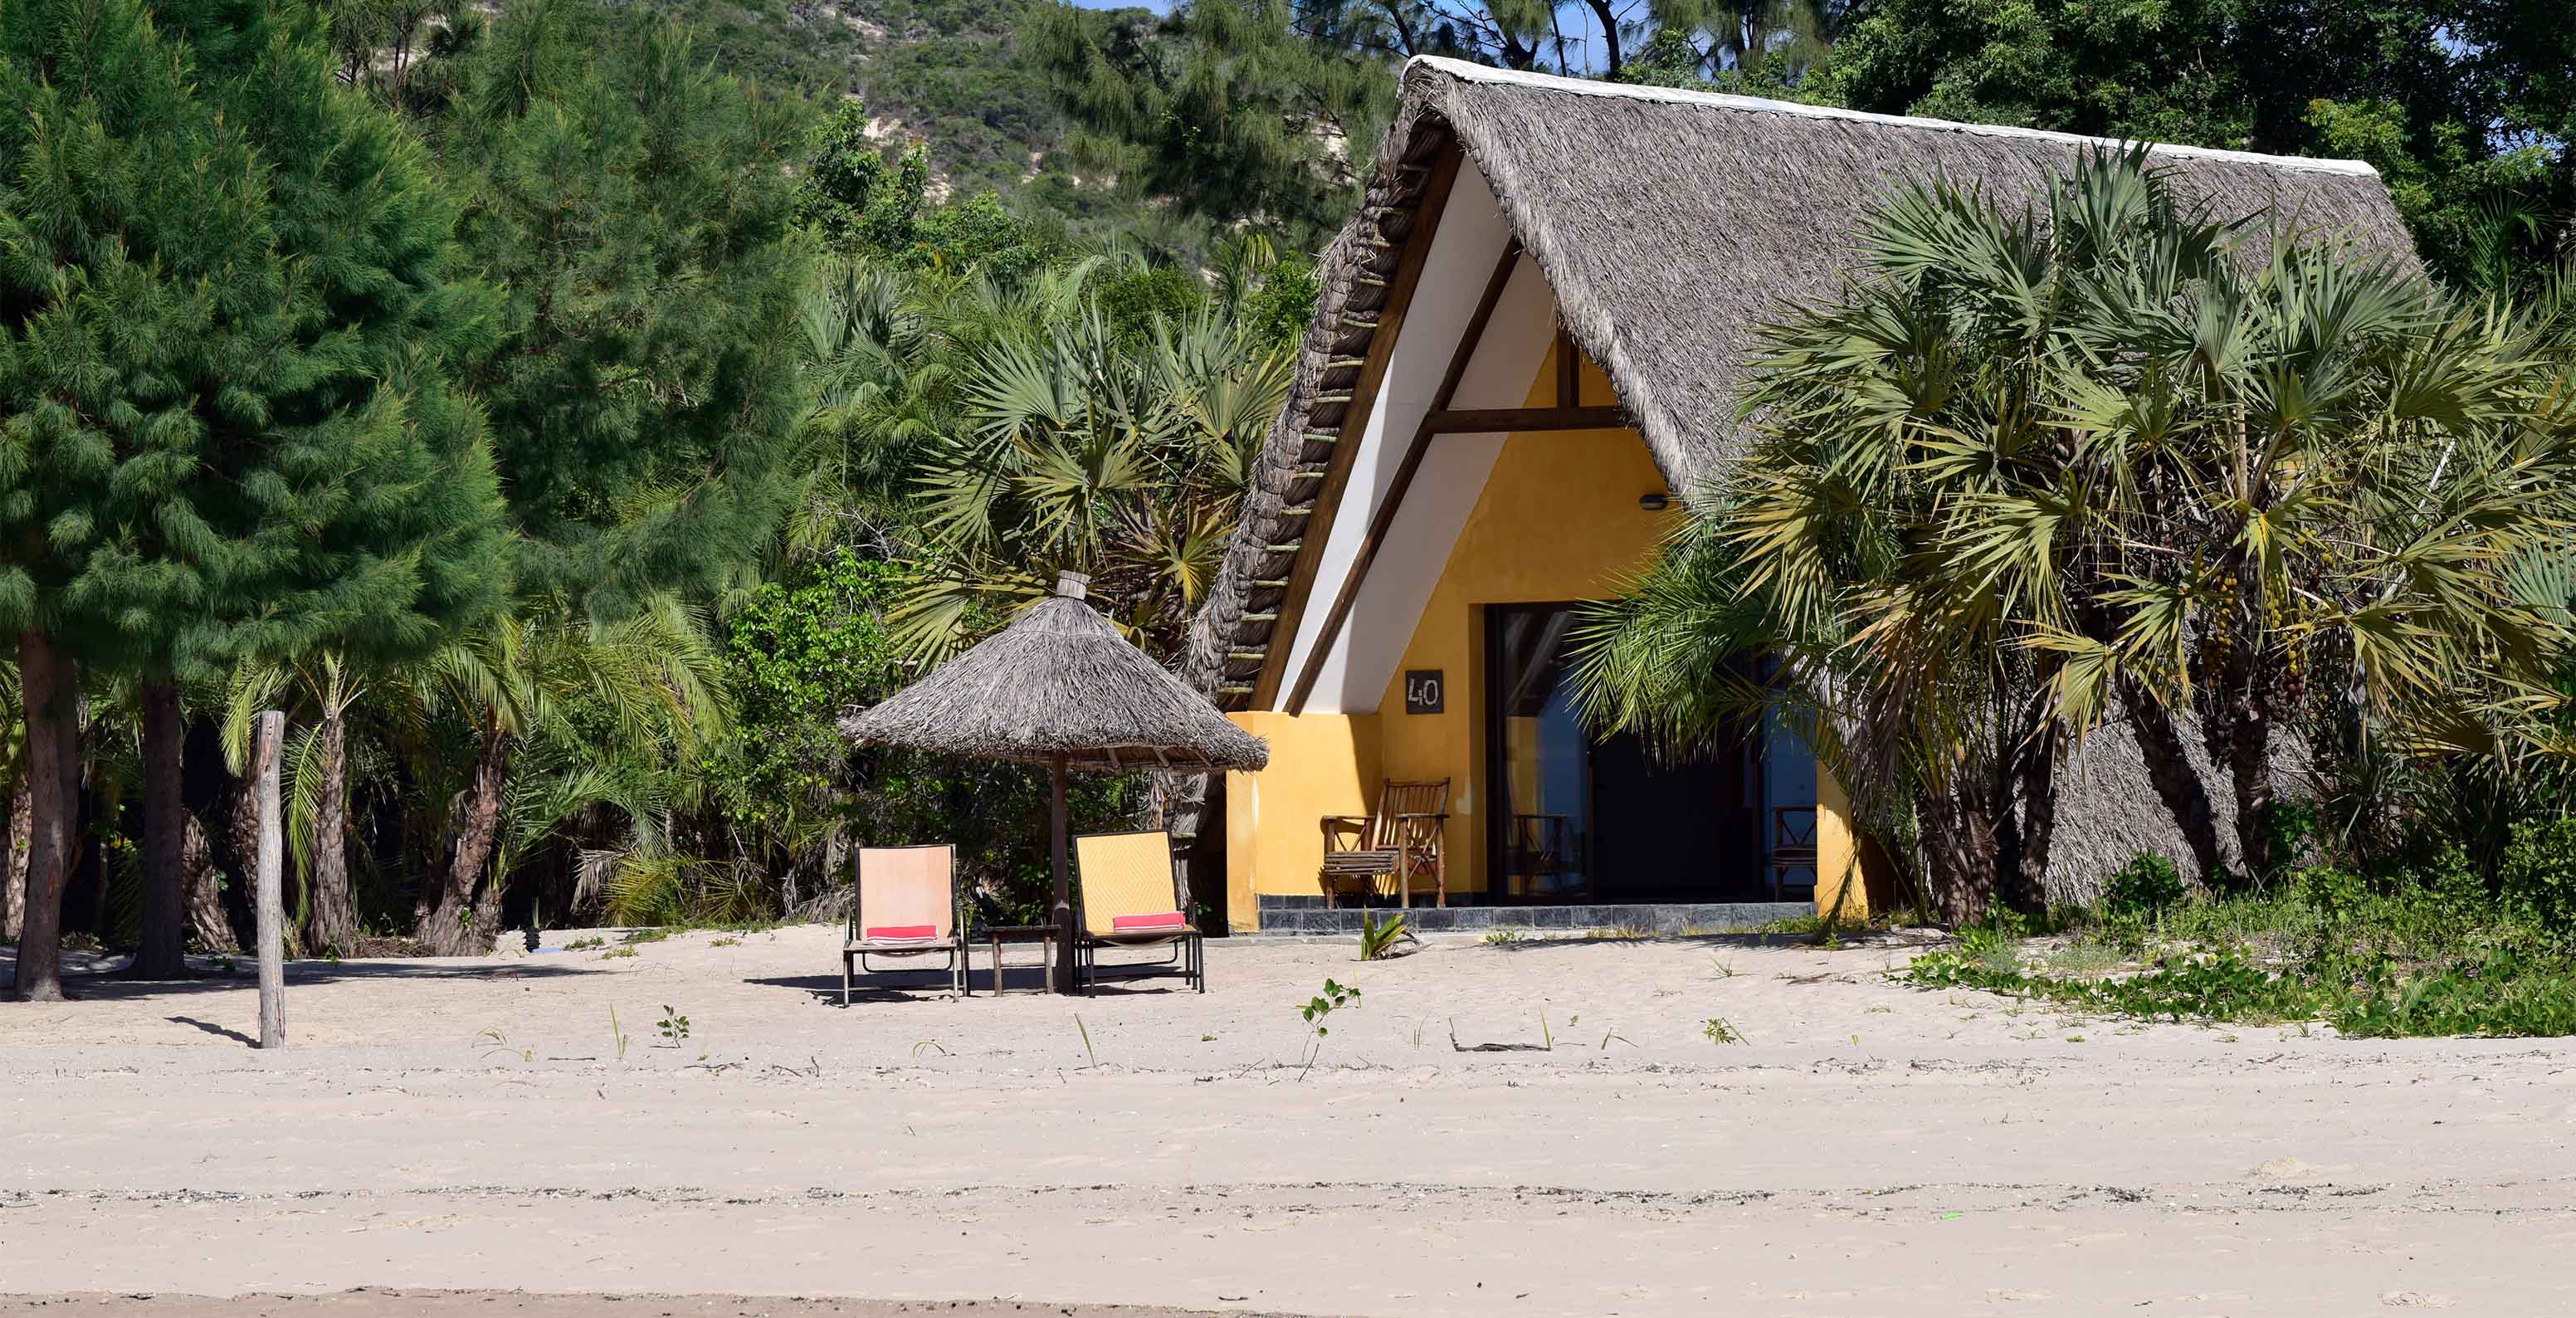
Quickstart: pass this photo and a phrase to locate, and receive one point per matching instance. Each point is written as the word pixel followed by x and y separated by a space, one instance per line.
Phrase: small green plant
pixel 1625 933
pixel 725 942
pixel 2149 883
pixel 673 1026
pixel 617 1033
pixel 1086 1042
pixel 647 935
pixel 1717 1031
pixel 1725 968
pixel 616 952
pixel 1506 937
pixel 1377 940
pixel 496 1044
pixel 224 964
pixel 1546 1037
pixel 585 944
pixel 927 1043
pixel 1318 1010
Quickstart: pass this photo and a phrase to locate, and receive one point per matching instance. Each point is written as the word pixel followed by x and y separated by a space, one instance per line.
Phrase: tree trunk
pixel 2177 784
pixel 335 908
pixel 164 950
pixel 1959 842
pixel 53 731
pixel 457 924
pixel 2029 885
pixel 207 922
pixel 2249 762
pixel 13 862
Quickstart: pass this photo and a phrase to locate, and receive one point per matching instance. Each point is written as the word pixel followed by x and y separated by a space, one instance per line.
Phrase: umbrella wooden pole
pixel 1065 933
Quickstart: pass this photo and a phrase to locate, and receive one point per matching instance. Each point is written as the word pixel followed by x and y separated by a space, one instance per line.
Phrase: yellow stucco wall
pixel 1839 890
pixel 1321 764
pixel 1558 520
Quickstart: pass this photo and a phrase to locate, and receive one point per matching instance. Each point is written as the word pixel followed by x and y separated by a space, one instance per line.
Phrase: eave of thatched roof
pixel 1059 683
pixel 1670 225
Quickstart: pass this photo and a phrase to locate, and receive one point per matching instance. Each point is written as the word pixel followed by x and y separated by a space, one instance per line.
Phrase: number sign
pixel 1423 691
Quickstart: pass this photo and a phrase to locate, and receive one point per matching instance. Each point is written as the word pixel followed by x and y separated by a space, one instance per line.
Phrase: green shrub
pixel 2538 875
pixel 2331 889
pixel 2147 884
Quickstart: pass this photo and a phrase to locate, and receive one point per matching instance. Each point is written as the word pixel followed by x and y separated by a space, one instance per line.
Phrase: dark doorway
pixel 1585 819
pixel 1667 832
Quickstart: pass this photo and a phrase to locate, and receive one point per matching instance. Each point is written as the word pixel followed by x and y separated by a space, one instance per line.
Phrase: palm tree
pixel 1126 460
pixel 564 712
pixel 2034 472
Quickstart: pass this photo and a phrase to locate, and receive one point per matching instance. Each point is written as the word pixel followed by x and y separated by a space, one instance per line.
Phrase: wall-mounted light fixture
pixel 1655 502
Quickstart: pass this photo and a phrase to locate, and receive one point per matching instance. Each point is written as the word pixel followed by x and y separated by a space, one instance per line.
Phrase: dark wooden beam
pixel 1509 420
pixel 1569 368
pixel 1364 392
pixel 1384 520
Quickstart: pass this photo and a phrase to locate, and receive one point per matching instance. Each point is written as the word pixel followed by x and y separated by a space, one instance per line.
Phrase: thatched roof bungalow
pixel 1528 338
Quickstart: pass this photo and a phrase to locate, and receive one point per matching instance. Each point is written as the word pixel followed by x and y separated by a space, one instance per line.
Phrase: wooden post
pixel 1065 933
pixel 268 895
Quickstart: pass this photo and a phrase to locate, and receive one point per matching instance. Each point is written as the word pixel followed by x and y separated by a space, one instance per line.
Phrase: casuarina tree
pixel 227 429
pixel 638 211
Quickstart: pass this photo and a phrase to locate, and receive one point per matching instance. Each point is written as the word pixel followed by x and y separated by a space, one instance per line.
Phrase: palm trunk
pixel 164 950
pixel 458 924
pixel 2249 762
pixel 207 922
pixel 1959 842
pixel 335 908
pixel 53 733
pixel 2177 784
pixel 13 863
pixel 2038 824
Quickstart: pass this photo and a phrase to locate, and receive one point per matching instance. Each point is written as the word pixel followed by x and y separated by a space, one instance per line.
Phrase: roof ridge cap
pixel 1465 71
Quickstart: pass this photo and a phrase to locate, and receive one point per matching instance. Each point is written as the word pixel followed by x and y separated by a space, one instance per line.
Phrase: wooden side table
pixel 1043 934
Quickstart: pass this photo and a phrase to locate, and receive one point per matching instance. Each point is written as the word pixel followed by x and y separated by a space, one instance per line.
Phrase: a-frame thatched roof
pixel 1669 224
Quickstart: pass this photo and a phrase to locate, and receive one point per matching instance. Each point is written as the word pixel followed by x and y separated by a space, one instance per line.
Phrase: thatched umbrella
pixel 1060 687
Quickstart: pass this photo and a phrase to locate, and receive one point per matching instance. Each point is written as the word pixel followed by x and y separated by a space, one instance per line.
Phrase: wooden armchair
pixel 1401 840
pixel 1793 849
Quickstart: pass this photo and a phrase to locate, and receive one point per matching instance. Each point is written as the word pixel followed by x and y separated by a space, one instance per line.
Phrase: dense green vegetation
pixel 563 431
pixel 2464 105
pixel 2440 949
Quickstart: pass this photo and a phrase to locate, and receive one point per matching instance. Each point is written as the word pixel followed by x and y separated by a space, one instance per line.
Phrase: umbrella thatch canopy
pixel 1060 687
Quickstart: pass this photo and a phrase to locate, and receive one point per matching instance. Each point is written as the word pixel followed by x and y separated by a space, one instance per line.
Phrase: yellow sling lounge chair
pixel 1131 897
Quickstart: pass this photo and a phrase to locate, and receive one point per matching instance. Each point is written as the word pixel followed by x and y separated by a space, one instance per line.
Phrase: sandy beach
pixel 460 1135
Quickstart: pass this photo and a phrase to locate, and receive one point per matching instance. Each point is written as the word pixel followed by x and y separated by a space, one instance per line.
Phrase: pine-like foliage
pixel 637 209
pixel 226 319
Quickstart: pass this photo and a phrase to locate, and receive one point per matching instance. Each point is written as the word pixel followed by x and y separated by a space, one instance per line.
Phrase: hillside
pixel 941 70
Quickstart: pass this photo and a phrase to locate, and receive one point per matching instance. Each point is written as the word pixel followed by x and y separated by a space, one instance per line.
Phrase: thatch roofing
pixel 1060 681
pixel 1670 224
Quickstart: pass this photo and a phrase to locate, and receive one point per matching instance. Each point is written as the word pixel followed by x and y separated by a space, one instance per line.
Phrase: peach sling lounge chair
pixel 1131 898
pixel 906 908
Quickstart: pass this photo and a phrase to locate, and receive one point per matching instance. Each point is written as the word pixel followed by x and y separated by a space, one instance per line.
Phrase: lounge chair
pixel 1131 898
pixel 905 908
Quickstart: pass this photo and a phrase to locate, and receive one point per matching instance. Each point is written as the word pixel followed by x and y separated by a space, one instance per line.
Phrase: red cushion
pixel 902 931
pixel 1164 920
